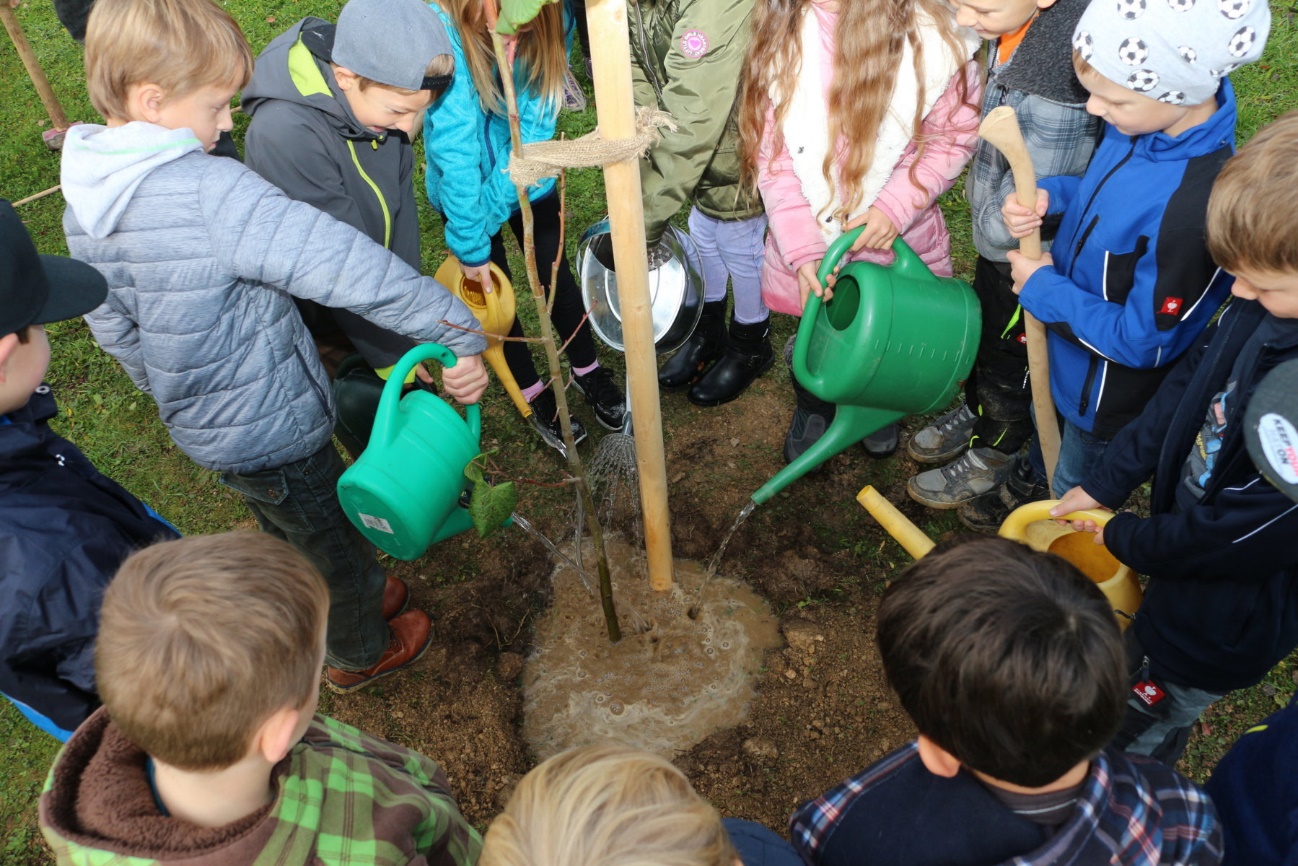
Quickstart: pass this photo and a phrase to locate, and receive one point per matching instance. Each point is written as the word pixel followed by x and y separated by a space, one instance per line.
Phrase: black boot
pixel 705 345
pixel 748 356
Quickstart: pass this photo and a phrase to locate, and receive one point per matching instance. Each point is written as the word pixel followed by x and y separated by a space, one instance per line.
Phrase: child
pixel 1133 287
pixel 871 129
pixel 333 112
pixel 64 527
pixel 1221 606
pixel 208 749
pixel 1029 68
pixel 203 258
pixel 613 805
pixel 688 59
pixel 467 147
pixel 1009 662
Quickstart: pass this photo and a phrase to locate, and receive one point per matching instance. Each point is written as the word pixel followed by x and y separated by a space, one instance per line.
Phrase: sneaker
pixel 411 635
pixel 945 438
pixel 396 596
pixel 978 471
pixel 882 442
pixel 603 395
pixel 574 98
pixel 805 431
pixel 545 420
pixel 987 512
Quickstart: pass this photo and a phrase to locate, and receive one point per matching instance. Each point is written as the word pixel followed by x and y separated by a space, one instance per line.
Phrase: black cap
pixel 37 289
pixel 1269 427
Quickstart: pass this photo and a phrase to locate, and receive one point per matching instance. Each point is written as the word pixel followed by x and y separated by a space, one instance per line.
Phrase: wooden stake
pixel 57 118
pixel 615 105
pixel 1000 128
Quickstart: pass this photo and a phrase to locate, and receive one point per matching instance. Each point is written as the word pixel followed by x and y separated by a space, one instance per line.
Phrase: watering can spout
pixel 851 424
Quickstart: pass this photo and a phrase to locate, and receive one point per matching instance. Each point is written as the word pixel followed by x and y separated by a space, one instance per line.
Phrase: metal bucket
pixel 675 289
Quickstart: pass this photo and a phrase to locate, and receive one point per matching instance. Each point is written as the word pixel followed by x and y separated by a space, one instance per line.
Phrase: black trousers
pixel 998 388
pixel 569 311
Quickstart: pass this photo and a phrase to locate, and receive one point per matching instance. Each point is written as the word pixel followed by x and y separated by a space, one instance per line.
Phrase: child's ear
pixel 144 101
pixel 275 736
pixel 345 77
pixel 1045 4
pixel 936 759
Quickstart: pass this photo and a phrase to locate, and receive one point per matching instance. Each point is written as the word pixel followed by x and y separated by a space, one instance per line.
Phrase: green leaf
pixel 473 471
pixel 491 506
pixel 515 13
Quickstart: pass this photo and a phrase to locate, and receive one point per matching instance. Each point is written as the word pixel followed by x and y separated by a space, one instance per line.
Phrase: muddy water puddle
pixel 664 688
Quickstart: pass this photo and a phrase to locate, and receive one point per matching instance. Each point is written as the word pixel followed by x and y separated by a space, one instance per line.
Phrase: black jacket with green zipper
pixel 304 139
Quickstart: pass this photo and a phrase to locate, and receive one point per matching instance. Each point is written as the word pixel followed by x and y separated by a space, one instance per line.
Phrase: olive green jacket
pixel 689 56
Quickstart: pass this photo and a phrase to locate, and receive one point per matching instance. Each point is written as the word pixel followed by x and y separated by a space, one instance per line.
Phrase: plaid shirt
pixel 1131 811
pixel 342 797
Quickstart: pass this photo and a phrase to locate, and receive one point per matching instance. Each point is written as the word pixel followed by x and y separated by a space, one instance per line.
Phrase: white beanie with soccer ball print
pixel 1175 51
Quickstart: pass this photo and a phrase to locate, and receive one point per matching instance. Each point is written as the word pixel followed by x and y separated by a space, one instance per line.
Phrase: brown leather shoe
pixel 396 595
pixel 410 640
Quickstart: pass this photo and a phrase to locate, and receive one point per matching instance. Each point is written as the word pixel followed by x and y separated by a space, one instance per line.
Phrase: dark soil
pixel 823 709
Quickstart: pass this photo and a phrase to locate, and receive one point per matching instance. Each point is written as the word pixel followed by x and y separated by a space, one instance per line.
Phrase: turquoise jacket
pixel 467 154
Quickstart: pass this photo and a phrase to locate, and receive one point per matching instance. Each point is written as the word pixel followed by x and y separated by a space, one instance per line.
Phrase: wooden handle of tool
pixel 1000 128
pixel 42 84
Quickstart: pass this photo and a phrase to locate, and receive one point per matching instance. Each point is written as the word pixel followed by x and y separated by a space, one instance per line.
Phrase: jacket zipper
pixel 387 216
pixel 1120 163
pixel 315 386
pixel 1081 242
pixel 1086 386
pixel 648 63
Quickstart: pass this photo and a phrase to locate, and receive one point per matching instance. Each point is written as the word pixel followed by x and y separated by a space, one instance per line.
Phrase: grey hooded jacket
pixel 201 256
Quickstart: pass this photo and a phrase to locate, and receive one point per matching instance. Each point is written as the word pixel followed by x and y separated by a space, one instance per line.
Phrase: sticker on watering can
pixel 378 523
pixel 1279 443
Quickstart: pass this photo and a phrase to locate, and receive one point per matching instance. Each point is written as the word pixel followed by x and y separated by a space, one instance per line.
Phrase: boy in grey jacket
pixel 203 259
pixel 1029 68
pixel 333 111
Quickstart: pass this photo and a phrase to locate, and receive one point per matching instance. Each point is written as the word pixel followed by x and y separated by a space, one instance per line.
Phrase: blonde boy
pixel 208 749
pixel 203 259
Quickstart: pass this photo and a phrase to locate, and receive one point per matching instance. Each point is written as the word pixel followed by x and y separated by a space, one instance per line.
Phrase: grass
pixel 119 430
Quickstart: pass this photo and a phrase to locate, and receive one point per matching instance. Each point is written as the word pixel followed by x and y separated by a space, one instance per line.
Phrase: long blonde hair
pixel 869 39
pixel 539 65
pixel 606 805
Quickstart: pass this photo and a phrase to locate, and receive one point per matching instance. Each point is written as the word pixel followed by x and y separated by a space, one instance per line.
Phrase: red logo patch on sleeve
pixel 1171 306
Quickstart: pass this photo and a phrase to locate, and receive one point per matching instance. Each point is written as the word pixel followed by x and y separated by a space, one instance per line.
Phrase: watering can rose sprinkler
pixel 894 340
pixel 404 492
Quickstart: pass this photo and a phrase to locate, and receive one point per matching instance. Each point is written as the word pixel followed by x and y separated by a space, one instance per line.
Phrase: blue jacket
pixel 1221 607
pixel 1255 791
pixel 467 152
pixel 64 530
pixel 1132 284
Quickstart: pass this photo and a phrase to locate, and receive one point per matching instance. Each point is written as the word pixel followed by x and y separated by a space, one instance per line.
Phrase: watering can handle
pixel 905 263
pixel 385 421
pixel 1016 523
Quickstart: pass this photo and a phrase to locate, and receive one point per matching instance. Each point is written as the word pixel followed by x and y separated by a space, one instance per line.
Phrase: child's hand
pixel 1022 221
pixel 1078 499
pixel 1022 268
pixel 466 380
pixel 808 283
pixel 480 275
pixel 879 231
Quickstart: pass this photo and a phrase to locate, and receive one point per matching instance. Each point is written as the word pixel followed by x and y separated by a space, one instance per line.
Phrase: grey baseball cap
pixel 391 42
pixel 1271 427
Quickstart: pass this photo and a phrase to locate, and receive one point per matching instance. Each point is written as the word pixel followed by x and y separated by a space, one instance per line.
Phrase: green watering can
pixel 403 493
pixel 894 341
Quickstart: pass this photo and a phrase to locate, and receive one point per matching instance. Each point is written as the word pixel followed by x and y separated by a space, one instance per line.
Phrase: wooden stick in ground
pixel 57 118
pixel 1000 128
pixel 615 105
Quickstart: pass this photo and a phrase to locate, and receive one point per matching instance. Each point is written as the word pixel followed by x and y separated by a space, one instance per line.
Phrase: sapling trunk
pixel 575 466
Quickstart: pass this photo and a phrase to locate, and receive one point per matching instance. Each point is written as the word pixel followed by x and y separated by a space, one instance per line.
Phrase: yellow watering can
pixel 495 312
pixel 1032 525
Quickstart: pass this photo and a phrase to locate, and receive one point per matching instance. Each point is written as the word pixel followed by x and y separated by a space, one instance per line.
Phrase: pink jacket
pixel 951 131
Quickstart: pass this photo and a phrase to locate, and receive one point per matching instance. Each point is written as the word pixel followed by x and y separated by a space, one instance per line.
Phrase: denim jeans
pixel 1160 731
pixel 299 503
pixel 1079 451
pixel 733 250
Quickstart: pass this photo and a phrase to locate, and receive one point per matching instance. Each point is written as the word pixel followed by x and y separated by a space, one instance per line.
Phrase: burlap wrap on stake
pixel 547 158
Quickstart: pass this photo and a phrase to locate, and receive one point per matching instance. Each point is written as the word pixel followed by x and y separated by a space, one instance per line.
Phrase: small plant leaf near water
pixel 491 504
pixel 516 13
